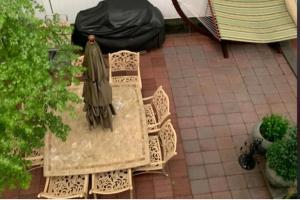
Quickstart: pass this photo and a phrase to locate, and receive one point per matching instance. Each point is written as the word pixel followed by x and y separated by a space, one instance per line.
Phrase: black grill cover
pixel 121 24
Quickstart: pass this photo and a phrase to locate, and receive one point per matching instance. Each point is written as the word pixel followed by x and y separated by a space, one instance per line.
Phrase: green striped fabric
pixel 258 21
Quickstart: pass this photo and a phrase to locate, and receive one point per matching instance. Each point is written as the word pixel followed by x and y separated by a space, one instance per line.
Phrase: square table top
pixel 99 150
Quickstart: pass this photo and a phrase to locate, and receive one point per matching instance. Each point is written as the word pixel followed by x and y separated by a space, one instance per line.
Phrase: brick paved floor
pixel 215 103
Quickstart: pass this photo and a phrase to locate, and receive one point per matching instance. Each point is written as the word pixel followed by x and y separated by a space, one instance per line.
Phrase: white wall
pixel 46 6
pixel 166 7
pixel 72 7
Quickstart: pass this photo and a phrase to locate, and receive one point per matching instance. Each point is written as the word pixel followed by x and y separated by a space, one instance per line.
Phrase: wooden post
pixel 224 49
pixel 275 46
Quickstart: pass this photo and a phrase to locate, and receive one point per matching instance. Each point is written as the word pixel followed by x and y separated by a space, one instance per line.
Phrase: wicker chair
pixel 124 67
pixel 157 110
pixel 162 149
pixel 65 187
pixel 36 157
pixel 112 182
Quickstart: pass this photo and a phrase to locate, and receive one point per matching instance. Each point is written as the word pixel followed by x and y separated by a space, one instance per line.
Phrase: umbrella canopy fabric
pixel 97 92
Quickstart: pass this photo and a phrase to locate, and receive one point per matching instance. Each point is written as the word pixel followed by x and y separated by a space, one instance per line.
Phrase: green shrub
pixel 282 157
pixel 292 133
pixel 274 127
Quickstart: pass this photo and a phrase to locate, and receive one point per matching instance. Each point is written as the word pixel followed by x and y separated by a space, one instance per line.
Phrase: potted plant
pixel 281 166
pixel 272 128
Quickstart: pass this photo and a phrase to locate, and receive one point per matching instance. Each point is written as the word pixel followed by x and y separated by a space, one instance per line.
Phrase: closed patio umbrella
pixel 97 92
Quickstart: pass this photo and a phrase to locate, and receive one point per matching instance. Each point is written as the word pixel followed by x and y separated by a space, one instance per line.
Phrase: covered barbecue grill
pixel 128 24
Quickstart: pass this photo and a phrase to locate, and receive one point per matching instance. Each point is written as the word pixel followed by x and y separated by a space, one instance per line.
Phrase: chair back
pixel 124 67
pixel 168 140
pixel 112 182
pixel 124 61
pixel 36 157
pixel 66 186
pixel 161 104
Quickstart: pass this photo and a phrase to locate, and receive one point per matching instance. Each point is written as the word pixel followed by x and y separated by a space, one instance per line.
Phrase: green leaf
pixel 274 127
pixel 282 157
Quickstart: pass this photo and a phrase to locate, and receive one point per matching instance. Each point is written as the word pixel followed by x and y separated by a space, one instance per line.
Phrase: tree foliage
pixel 33 90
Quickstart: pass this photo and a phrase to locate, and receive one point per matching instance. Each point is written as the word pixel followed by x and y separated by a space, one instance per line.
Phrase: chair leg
pixel 276 46
pixel 141 172
pixel 131 193
pixel 34 168
pixel 224 49
pixel 163 172
pixel 95 196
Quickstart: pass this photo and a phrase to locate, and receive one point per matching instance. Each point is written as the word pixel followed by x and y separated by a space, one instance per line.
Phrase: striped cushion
pixel 258 21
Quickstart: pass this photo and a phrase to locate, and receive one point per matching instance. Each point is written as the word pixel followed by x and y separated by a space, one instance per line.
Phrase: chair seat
pixel 155 155
pixel 150 116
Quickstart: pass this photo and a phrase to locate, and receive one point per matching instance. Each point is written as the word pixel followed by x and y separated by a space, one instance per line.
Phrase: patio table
pixel 99 150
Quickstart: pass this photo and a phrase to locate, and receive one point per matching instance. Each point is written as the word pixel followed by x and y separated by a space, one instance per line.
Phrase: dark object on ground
pixel 246 159
pixel 52 53
pixel 134 25
pixel 97 92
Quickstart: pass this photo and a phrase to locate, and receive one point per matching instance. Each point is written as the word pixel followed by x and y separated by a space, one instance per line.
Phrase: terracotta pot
pixel 257 135
pixel 274 179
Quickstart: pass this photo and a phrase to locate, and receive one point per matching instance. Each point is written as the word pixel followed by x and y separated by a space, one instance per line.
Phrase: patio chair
pixel 162 149
pixel 157 110
pixel 36 157
pixel 112 182
pixel 124 68
pixel 65 187
pixel 78 61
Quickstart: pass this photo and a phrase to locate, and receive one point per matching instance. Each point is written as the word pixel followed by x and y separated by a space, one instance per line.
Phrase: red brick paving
pixel 215 103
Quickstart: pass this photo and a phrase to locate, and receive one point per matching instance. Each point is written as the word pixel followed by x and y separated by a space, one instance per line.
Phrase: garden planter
pixel 257 135
pixel 274 179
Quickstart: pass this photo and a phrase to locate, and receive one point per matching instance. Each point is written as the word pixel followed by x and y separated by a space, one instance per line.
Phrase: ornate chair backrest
pixel 168 140
pixel 124 66
pixel 36 157
pixel 161 104
pixel 67 186
pixel 112 182
pixel 124 61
